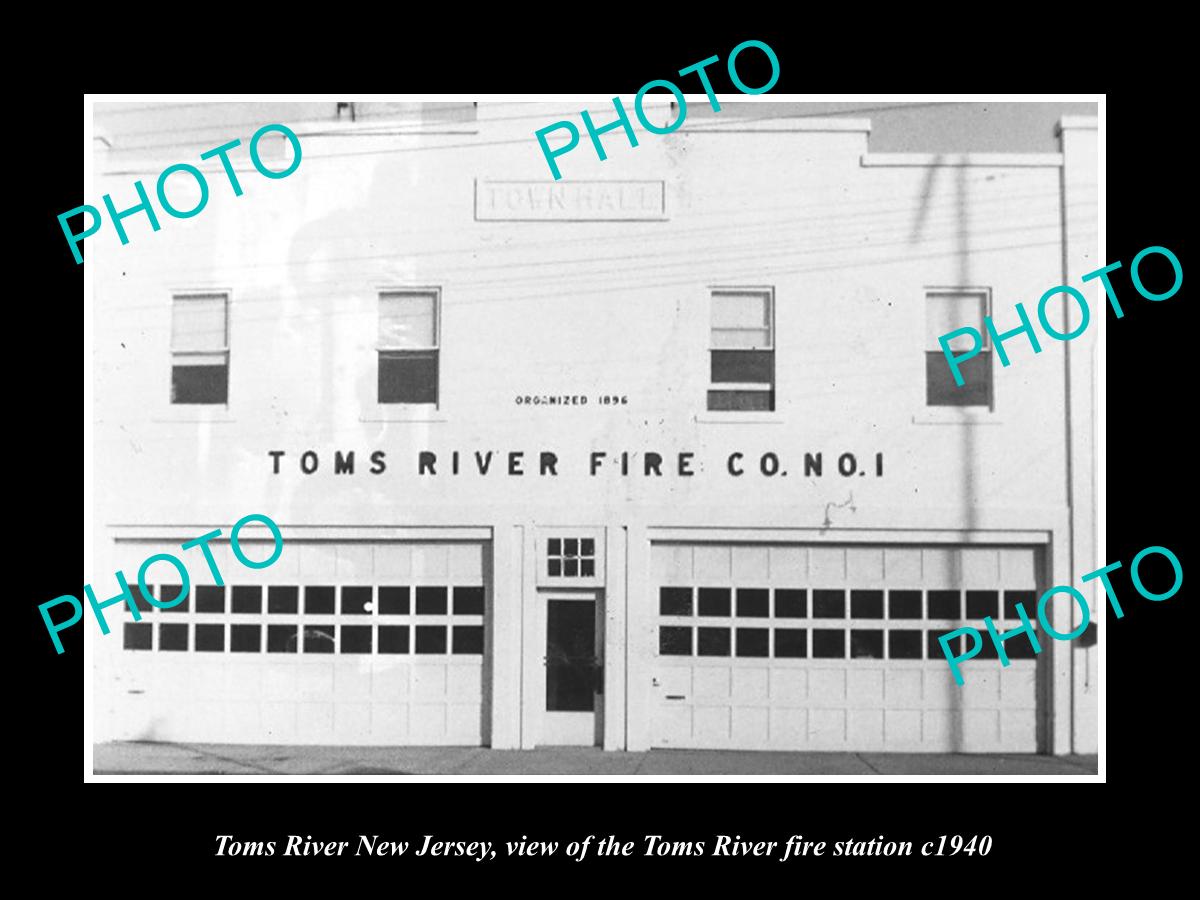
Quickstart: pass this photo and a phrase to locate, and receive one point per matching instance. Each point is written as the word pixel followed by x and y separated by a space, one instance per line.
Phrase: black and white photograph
pixel 659 435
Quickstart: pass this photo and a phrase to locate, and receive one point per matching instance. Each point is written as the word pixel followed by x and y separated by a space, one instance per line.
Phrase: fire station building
pixel 663 454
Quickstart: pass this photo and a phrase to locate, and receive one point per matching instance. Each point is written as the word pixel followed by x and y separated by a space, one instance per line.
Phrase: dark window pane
pixel 356 601
pixel 138 635
pixel 408 376
pixel 983 603
pixel 866 604
pixel 1028 601
pixel 673 641
pixel 393 638
pixel 283 599
pixel 168 592
pixel 173 637
pixel 431 601
pixel 468 638
pixel 587 547
pixel 431 639
pixel 210 598
pixel 245 638
pixel 904 644
pixel 587 568
pixel 790 603
pixel 743 366
pixel 282 638
pixel 753 602
pixel 554 547
pixel 571 567
pixel 904 604
pixel 1019 647
pixel 713 642
pixel 246 598
pixel 976 373
pixel 318 638
pixel 199 384
pixel 571 547
pixel 356 639
pixel 144 606
pixel 318 600
pixel 468 601
pixel 210 638
pixel 987 650
pixel 554 568
pixel 393 601
pixel 791 643
pixel 866 643
pixel 731 401
pixel 829 643
pixel 674 601
pixel 753 642
pixel 714 601
pixel 829 604
pixel 935 647
pixel 945 604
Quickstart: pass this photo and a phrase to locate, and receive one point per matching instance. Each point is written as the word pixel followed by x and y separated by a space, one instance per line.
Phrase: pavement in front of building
pixel 142 758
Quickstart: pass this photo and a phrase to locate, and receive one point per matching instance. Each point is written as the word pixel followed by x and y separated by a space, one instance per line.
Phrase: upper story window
pixel 742 349
pixel 948 309
pixel 408 346
pixel 200 348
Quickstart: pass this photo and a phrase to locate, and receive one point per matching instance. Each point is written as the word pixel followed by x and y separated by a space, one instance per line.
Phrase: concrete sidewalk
pixel 135 758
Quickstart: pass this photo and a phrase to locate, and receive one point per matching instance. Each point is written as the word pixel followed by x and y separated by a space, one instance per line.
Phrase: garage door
pixel 835 647
pixel 357 643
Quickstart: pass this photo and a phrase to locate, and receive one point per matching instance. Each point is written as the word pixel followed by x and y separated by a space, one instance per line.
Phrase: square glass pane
pixel 571 567
pixel 1028 601
pixel 408 377
pixel 743 367
pixel 431 601
pixel 866 643
pixel 282 638
pixel 587 568
pixel 741 309
pixel 198 322
pixel 983 603
pixel 356 639
pixel 408 320
pixel 791 603
pixel 941 389
pixel 318 600
pixel 829 604
pixel 829 643
pixel 674 601
pixel 554 547
pixel 138 635
pixel 467 639
pixel 587 547
pixel 714 601
pixel 674 641
pixel 318 638
pixel 571 547
pixel 904 644
pixel 866 604
pixel 283 599
pixel 246 598
pixel 167 593
pixel 210 638
pixel 431 639
pixel 753 602
pixel 173 636
pixel 713 642
pixel 753 642
pixel 245 638
pixel 904 604
pixel 946 312
pixel 393 601
pixel 934 647
pixel 210 598
pixel 554 567
pixel 468 601
pixel 791 643
pixel 393 638
pixel 945 605
pixel 356 601
pixel 143 605
pixel 199 384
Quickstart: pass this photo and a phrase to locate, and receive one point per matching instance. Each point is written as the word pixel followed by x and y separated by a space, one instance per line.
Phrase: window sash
pixel 408 320
pixel 948 309
pixel 745 325
pixel 200 322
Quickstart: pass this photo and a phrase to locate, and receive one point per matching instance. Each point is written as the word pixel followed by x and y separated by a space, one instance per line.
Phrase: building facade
pixel 663 454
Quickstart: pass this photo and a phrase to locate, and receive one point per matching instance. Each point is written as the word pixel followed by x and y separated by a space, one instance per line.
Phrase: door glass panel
pixel 570 655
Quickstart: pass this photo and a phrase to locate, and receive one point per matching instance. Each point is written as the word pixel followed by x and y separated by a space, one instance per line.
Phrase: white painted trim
pixel 1002 160
pixel 846 536
pixel 307 532
pixel 1083 122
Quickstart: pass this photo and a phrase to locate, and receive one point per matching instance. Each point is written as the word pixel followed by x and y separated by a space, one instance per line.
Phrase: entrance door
pixel 574 671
